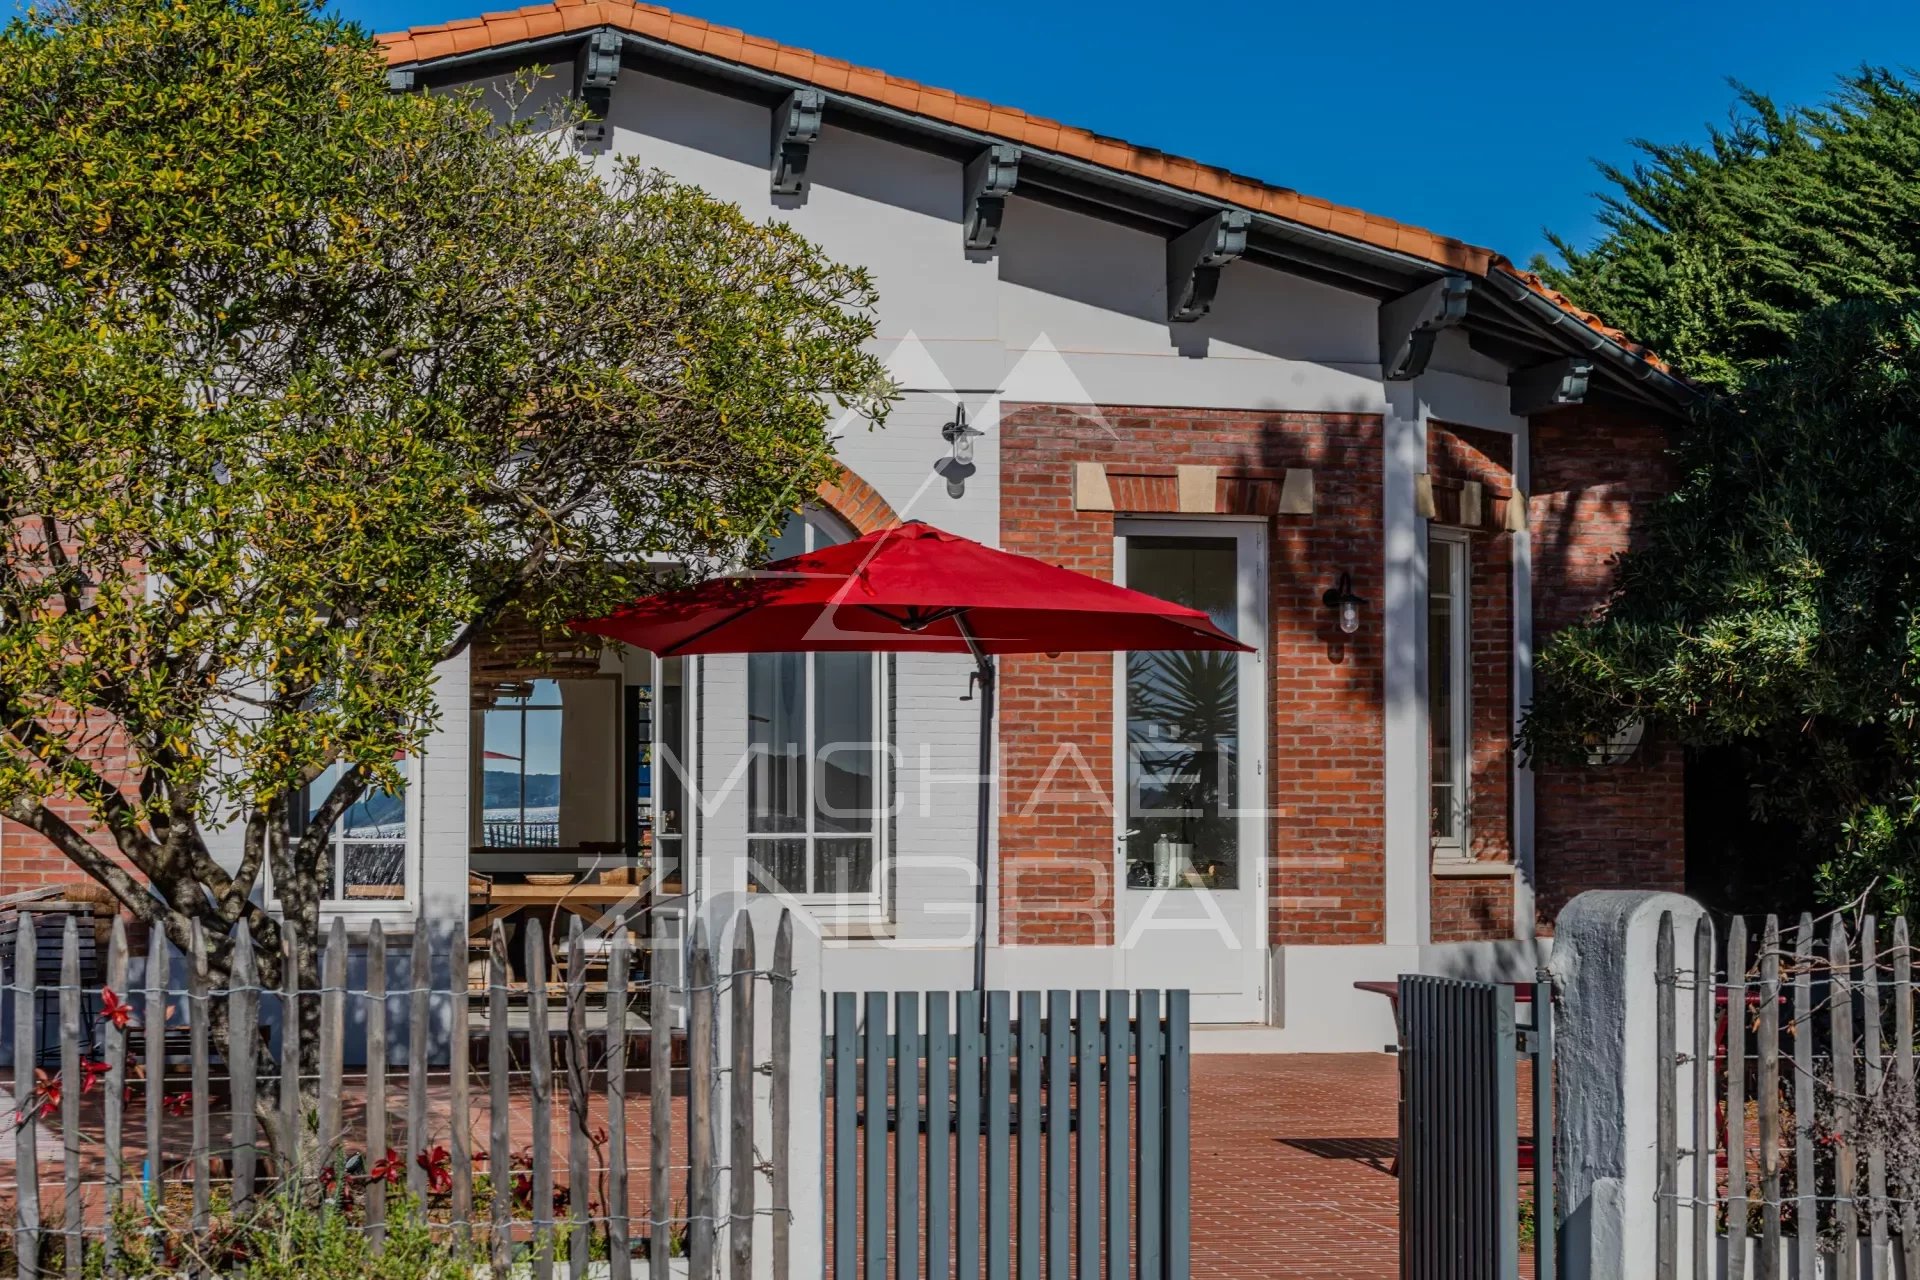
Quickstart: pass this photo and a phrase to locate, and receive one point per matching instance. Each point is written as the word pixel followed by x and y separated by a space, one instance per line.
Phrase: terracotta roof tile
pixel 428 43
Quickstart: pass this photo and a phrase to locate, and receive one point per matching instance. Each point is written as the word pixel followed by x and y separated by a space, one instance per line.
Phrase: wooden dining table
pixel 588 901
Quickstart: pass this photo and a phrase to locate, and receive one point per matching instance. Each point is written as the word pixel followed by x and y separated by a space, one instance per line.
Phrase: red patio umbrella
pixel 913 589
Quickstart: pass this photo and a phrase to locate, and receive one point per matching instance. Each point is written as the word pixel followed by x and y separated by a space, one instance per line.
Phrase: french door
pixel 1190 838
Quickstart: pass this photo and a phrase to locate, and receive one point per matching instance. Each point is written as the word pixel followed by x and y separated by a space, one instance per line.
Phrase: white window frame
pixel 873 905
pixel 1456 562
pixel 410 865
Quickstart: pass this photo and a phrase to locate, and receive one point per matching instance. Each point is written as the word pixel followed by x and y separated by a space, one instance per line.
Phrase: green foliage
pixel 303 382
pixel 1712 253
pixel 1776 605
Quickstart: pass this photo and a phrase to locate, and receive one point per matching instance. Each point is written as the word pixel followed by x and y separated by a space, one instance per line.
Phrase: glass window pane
pixel 540 778
pixel 669 769
pixel 376 814
pixel 843 868
pixel 791 541
pixel 843 741
pixel 778 864
pixel 776 742
pixel 374 869
pixel 1183 726
pixel 1445 819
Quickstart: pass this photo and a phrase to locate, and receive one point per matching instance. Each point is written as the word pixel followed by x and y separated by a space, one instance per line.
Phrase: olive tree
pixel 302 383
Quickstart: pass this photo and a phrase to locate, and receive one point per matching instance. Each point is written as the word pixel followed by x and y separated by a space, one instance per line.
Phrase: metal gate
pixel 1460 1148
pixel 1013 1135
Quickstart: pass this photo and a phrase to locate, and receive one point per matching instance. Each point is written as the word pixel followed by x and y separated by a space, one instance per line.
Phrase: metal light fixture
pixel 959 466
pixel 1340 597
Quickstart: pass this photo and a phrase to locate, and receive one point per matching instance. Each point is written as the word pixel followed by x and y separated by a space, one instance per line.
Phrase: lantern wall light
pixel 1340 598
pixel 958 466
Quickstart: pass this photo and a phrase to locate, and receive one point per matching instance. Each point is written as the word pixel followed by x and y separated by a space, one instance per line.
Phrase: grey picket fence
pixel 522 1222
pixel 1793 1070
pixel 1008 1134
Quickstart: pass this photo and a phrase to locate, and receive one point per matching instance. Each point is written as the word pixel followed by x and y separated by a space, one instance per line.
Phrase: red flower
pixel 117 1011
pixel 177 1104
pixel 91 1070
pixel 439 1166
pixel 42 1102
pixel 388 1169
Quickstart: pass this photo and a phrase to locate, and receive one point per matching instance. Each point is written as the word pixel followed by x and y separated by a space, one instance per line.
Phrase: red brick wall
pixel 1595 473
pixel 1324 696
pixel 28 860
pixel 1464 909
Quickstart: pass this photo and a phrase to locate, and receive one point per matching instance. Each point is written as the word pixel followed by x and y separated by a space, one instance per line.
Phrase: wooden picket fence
pixel 1802 1052
pixel 522 1222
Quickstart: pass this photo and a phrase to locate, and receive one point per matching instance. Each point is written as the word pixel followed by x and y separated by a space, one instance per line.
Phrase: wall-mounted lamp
pixel 1340 596
pixel 959 437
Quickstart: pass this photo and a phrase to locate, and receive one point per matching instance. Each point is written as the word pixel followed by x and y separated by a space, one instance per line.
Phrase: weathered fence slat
pixel 1767 1086
pixel 460 1139
pixel 26 1166
pixel 1666 1129
pixel 70 1089
pixel 780 1099
pixel 741 1173
pixel 1903 1081
pixel 1736 1127
pixel 540 1083
pixel 999 1129
pixel 1806 1209
pixel 619 1228
pixel 702 1207
pixel 1086 1107
pixel 1875 1077
pixel 243 1049
pixel 1845 1085
pixel 1059 1133
pixel 1147 1122
pixel 377 1136
pixel 155 1051
pixel 1030 1036
pixel 1177 1205
pixel 660 1103
pixel 419 1021
pixel 1119 1052
pixel 199 1042
pixel 333 983
pixel 289 1156
pixel 1702 1054
pixel 499 1062
pixel 939 1134
pixel 873 1100
pixel 579 1141
pixel 846 1021
pixel 115 1119
pixel 906 1139
pixel 966 1137
pixel 1546 1199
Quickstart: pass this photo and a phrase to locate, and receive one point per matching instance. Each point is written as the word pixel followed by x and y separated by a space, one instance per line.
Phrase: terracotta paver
pixel 1290 1166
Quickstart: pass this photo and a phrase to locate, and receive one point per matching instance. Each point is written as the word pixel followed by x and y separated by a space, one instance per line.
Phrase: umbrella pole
pixel 983 826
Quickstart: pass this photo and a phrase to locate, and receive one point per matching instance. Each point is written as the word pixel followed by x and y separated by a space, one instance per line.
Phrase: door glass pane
pixel 776 742
pixel 843 737
pixel 1183 726
pixel 500 777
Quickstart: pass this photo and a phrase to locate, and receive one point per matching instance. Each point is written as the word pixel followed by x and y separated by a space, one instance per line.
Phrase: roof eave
pixel 1634 373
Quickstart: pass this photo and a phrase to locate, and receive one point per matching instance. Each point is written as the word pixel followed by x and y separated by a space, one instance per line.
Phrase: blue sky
pixel 1479 121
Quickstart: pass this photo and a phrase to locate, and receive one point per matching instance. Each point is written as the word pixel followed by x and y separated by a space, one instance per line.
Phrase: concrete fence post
pixel 1603 970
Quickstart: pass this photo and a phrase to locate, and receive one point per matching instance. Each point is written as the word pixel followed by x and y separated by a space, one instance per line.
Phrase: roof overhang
pixel 1507 316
